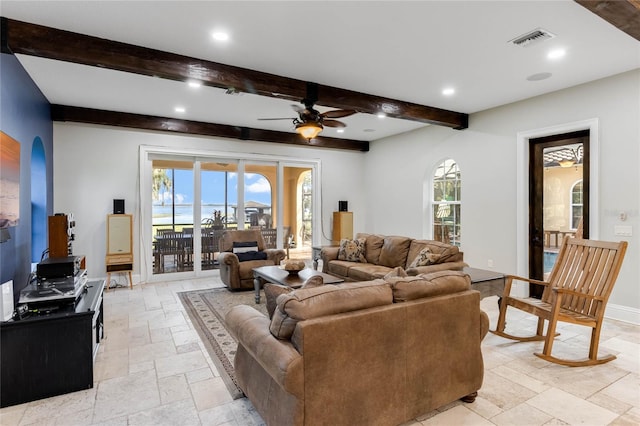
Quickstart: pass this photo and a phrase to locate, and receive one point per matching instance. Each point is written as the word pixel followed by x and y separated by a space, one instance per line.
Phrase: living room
pixel 88 166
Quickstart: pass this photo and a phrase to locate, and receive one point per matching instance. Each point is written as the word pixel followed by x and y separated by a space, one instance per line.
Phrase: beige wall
pixel 558 182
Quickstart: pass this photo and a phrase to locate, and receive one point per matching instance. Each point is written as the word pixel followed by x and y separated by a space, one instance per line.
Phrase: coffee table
pixel 277 275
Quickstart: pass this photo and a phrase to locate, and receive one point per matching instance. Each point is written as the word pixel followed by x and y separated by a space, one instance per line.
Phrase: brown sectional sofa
pixel 384 253
pixel 379 352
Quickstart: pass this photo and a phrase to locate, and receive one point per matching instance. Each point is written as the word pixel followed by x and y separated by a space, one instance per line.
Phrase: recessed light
pixel 340 130
pixel 194 84
pixel 448 91
pixel 179 109
pixel 220 36
pixel 381 115
pixel 539 76
pixel 556 54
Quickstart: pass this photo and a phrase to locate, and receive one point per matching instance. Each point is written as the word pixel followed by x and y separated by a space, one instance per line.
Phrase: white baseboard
pixel 623 313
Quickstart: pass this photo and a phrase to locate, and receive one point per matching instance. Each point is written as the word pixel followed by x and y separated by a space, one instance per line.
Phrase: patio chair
pixel 577 292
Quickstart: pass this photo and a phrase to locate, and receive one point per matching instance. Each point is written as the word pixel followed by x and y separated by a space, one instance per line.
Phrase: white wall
pixel 384 187
pixel 95 164
pixel 487 155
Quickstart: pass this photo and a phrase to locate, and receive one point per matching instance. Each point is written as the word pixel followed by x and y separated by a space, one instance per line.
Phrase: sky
pixel 257 188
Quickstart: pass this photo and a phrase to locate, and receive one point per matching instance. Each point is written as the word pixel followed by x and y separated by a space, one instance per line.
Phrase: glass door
pixel 558 198
pixel 191 198
pixel 172 216
pixel 219 207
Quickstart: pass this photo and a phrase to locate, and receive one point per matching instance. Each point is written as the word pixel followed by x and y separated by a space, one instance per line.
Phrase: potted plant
pixel 216 221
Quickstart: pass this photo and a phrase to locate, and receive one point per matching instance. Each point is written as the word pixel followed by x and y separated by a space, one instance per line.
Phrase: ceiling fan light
pixel 566 163
pixel 308 130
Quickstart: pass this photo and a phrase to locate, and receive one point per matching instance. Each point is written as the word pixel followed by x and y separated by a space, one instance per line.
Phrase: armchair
pixel 236 274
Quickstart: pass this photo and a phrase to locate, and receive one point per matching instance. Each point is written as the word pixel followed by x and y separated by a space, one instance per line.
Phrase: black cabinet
pixel 53 354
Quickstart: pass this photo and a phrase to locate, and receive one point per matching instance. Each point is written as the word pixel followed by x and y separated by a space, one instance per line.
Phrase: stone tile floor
pixel 152 369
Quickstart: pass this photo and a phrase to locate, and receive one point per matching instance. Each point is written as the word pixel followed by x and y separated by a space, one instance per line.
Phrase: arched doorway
pixel 38 200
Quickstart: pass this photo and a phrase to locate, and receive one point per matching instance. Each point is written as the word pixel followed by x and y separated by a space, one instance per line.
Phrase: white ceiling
pixel 405 50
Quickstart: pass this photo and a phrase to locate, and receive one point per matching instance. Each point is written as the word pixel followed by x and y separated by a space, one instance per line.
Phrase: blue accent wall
pixel 25 116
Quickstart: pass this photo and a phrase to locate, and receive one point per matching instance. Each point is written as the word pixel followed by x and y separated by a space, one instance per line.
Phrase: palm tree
pixel 161 181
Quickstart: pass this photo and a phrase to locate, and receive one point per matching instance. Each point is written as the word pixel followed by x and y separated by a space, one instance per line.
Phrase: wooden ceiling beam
pixel 37 40
pixel 173 125
pixel 623 14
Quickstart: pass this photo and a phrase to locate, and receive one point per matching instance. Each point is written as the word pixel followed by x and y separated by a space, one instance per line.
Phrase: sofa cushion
pixel 425 257
pixel 325 300
pixel 396 272
pixel 271 293
pixel 394 251
pixel 340 268
pixel 352 250
pixel 367 272
pixel 428 285
pixel 373 246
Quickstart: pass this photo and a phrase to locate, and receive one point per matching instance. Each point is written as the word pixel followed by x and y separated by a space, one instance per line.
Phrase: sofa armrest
pixel 484 324
pixel 228 258
pixel 278 358
pixel 326 254
pixel 276 255
pixel 446 266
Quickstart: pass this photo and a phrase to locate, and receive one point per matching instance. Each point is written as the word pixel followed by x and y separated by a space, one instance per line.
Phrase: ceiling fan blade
pixel 283 118
pixel 338 113
pixel 333 123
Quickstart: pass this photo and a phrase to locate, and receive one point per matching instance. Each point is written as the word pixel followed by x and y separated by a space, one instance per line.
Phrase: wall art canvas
pixel 9 181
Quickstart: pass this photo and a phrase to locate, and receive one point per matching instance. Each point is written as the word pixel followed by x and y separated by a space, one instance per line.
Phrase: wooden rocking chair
pixel 577 292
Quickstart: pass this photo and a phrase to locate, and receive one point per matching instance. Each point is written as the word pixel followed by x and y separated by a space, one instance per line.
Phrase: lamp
pixel 566 163
pixel 308 130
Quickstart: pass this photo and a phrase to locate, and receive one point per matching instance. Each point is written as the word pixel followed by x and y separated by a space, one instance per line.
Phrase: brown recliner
pixel 239 275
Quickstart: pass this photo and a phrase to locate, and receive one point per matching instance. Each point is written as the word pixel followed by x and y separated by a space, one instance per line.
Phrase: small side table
pixel 315 256
pixel 488 283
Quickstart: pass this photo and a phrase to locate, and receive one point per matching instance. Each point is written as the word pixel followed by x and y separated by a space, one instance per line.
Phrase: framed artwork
pixel 9 181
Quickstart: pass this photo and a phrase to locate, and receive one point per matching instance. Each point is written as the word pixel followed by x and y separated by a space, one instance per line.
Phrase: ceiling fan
pixel 310 121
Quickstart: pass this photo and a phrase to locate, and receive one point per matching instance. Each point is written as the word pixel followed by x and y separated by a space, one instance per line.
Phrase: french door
pixel 559 197
pixel 190 199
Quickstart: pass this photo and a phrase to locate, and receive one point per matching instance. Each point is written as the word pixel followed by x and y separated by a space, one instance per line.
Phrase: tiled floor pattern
pixel 152 369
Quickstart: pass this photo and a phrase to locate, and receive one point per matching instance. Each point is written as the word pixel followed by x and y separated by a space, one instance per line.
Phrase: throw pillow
pixel 243 247
pixel 271 293
pixel 352 250
pixel 311 282
pixel 424 258
pixel 251 255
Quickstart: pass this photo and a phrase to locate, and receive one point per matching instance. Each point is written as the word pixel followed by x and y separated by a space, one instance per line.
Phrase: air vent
pixel 535 36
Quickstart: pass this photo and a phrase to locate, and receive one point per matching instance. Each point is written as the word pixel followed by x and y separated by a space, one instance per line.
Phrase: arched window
pixel 576 204
pixel 446 202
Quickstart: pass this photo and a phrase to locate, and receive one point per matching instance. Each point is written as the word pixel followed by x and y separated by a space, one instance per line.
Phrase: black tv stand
pixel 48 355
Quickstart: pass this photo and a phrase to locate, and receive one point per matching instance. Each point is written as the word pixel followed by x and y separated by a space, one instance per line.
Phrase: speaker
pixel 118 206
pixel 342 206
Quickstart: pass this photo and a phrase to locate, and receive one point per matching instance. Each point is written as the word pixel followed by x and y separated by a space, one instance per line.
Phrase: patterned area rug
pixel 207 309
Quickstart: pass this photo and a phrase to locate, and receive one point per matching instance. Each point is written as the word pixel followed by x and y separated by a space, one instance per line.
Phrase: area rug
pixel 207 309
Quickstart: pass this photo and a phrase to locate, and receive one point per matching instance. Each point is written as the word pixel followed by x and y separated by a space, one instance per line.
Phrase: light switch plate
pixel 623 230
